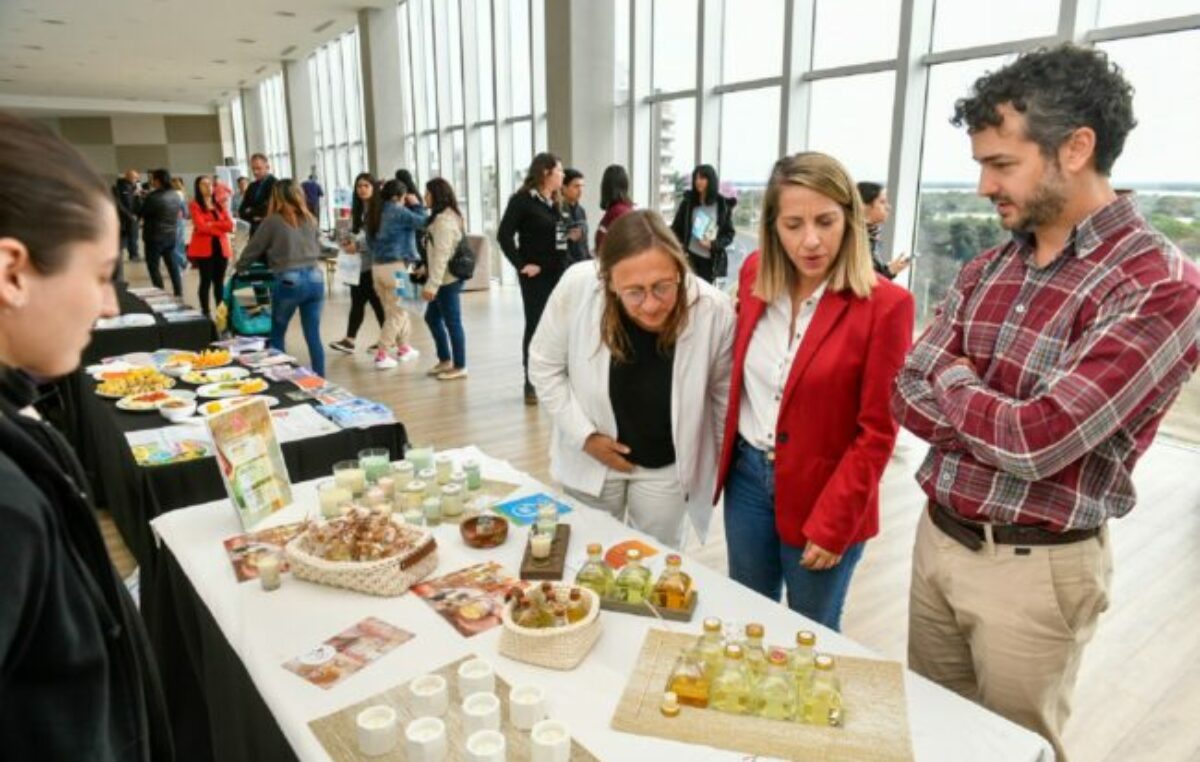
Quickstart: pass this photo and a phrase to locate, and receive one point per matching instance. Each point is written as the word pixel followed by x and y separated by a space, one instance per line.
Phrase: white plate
pixel 206 409
pixel 226 389
pixel 215 375
pixel 132 405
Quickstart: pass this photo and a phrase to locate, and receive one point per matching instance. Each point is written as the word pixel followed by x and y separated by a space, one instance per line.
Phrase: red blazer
pixel 835 431
pixel 205 225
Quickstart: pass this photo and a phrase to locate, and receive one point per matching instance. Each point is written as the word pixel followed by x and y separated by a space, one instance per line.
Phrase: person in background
pixel 210 248
pixel 1039 383
pixel 407 182
pixel 534 241
pixel 393 220
pixel 364 292
pixel 181 224
pixel 819 341
pixel 239 192
pixel 574 219
pixel 222 192
pixel 614 200
pixel 287 240
pixel 72 643
pixel 129 200
pixel 632 362
pixel 160 212
pixel 443 291
pixel 704 224
pixel 313 192
pixel 256 199
pixel 875 202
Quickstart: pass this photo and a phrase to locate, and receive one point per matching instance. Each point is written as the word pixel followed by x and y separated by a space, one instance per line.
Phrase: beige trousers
pixel 649 500
pixel 395 329
pixel 1007 629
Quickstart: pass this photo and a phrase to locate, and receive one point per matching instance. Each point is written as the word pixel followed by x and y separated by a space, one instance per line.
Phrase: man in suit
pixel 257 197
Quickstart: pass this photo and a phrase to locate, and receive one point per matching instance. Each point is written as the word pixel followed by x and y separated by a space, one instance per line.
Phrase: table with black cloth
pixel 185 334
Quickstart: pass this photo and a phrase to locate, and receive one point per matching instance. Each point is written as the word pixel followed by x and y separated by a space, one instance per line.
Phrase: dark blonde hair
pixel 287 200
pixel 851 269
pixel 636 233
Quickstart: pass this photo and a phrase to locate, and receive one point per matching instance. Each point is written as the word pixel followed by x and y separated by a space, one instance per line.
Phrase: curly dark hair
pixel 1058 90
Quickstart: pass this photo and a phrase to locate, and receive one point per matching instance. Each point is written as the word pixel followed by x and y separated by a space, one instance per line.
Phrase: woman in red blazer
pixel 209 250
pixel 808 430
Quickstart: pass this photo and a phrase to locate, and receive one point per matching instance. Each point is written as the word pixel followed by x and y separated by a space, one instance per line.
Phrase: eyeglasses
pixel 663 291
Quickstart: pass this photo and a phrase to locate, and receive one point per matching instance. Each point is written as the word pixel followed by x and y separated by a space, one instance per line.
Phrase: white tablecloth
pixel 267 629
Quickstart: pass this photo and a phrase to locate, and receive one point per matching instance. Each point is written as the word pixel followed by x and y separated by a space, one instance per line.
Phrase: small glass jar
pixel 269 572
pixel 414 494
pixel 349 474
pixel 452 501
pixel 403 472
pixel 474 474
pixel 421 456
pixel 429 477
pixel 432 508
pixel 547 518
pixel 333 498
pixel 376 462
pixel 444 467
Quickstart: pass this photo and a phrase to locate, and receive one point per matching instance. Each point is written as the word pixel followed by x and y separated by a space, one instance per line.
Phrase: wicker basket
pixel 386 577
pixel 556 647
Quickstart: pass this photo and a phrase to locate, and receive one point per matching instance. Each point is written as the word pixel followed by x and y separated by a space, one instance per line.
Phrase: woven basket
pixel 555 647
pixel 386 577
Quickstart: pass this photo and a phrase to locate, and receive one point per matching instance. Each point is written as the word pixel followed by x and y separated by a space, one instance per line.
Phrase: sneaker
pixel 384 361
pixel 452 374
pixel 440 368
pixel 343 345
pixel 407 353
pixel 374 347
pixel 530 394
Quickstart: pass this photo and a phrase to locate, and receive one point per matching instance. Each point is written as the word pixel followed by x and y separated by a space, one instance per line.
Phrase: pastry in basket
pixel 361 535
pixel 136 381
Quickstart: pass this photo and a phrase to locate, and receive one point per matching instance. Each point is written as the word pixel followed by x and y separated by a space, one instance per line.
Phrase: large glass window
pixel 674 130
pixel 488 181
pixel 522 151
pixel 752 40
pixel 487 97
pixel 519 60
pixel 745 165
pixel 674 52
pixel 1114 12
pixel 855 31
pixel 850 119
pixel 275 125
pixel 239 131
pixel 336 92
pixel 453 37
pixel 966 23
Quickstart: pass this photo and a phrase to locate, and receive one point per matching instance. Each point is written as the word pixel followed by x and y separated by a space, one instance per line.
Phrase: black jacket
pixel 128 203
pixel 255 201
pixel 573 216
pixel 682 227
pixel 160 214
pixel 531 233
pixel 77 679
pixel 875 243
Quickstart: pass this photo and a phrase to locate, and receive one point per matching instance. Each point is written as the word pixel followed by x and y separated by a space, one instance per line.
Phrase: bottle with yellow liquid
pixel 775 695
pixel 688 681
pixel 577 606
pixel 634 583
pixel 711 647
pixel 730 690
pixel 823 705
pixel 674 586
pixel 801 663
pixel 527 615
pixel 753 653
pixel 596 575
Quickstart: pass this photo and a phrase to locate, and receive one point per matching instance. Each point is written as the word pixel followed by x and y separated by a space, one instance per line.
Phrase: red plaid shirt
pixel 1075 365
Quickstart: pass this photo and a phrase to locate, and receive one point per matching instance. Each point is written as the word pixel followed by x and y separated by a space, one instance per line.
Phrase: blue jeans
pixel 760 560
pixel 444 315
pixel 181 244
pixel 300 289
pixel 163 251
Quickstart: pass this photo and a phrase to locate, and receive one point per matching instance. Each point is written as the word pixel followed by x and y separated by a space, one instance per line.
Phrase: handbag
pixel 462 262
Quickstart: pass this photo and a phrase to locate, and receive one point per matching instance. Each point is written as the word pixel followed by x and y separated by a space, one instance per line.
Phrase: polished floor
pixel 1138 695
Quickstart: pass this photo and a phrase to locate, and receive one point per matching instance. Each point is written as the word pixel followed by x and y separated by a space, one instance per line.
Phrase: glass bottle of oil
pixel 801 664
pixel 558 614
pixel 730 690
pixel 673 587
pixel 775 695
pixel 596 575
pixel 527 615
pixel 577 606
pixel 711 647
pixel 823 704
pixel 688 680
pixel 634 582
pixel 753 653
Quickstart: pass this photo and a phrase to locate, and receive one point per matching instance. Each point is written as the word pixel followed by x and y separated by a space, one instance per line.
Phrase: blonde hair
pixel 851 269
pixel 635 233
pixel 287 200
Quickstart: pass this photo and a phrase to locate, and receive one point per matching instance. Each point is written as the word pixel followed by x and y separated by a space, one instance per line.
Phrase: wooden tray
pixel 339 736
pixel 650 610
pixel 553 569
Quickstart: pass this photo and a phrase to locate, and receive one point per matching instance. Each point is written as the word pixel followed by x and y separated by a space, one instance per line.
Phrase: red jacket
pixel 835 431
pixel 205 225
pixel 615 211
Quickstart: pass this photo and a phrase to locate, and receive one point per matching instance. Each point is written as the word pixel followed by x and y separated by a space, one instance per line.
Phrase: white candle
pixel 486 746
pixel 268 571
pixel 353 479
pixel 481 711
pixel 430 696
pixel 551 742
pixel 526 706
pixel 444 467
pixel 540 545
pixel 376 730
pixel 475 676
pixel 426 740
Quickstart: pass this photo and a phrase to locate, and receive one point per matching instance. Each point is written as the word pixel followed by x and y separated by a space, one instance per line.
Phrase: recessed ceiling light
pixel 20 66
pixel 220 61
pixel 324 26
pixel 197 78
pixel 286 14
pixel 246 40
pixel 54 22
pixel 32 47
pixel 288 50
pixel 260 69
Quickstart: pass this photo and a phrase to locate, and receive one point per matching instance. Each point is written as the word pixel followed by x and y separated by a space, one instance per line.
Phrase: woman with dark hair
pixel 632 363
pixel 209 249
pixel 407 182
pixel 614 199
pixel 534 240
pixel 704 224
pixel 876 210
pixel 394 218
pixel 442 290
pixel 364 292
pixel 71 640
pixel 287 239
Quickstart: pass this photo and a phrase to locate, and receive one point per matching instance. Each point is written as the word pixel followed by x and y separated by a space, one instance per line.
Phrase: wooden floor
pixel 1140 680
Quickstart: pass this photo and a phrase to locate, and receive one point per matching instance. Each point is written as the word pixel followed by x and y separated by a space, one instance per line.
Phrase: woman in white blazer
pixel 632 361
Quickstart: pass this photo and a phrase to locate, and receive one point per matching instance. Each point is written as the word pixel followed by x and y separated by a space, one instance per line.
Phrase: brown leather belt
pixel 972 536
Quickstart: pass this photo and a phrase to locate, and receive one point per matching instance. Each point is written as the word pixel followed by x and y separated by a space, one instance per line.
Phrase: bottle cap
pixel 673 559
pixel 754 630
pixel 712 624
pixel 733 651
pixel 806 638
pixel 778 656
pixel 823 662
pixel 595 548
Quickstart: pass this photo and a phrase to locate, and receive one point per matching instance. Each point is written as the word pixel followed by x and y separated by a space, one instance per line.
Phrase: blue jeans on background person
pixel 444 315
pixel 761 560
pixel 164 251
pixel 181 244
pixel 299 289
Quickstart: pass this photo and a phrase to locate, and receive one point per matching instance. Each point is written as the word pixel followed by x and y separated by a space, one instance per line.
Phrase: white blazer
pixel 569 367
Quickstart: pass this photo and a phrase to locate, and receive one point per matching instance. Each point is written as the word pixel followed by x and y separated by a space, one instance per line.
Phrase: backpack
pixel 462 261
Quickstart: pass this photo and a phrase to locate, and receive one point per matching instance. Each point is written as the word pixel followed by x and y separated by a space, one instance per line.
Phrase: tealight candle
pixel 333 498
pixel 269 572
pixel 551 742
pixel 430 696
pixel 426 740
pixel 444 465
pixel 431 507
pixel 421 457
pixel 487 746
pixel 526 706
pixel 476 676
pixel 376 730
pixel 540 545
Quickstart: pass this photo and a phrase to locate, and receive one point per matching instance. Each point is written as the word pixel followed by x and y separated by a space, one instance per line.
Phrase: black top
pixel 573 216
pixel 875 243
pixel 640 393
pixel 160 216
pixel 77 680
pixel 531 233
pixel 682 227
pixel 255 201
pixel 128 203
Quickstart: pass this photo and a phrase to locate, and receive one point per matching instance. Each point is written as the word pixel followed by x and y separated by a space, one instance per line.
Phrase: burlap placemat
pixel 339 735
pixel 876 717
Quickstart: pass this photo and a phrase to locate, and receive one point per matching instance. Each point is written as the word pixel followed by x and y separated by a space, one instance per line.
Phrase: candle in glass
pixel 333 498
pixel 452 505
pixel 420 456
pixel 349 474
pixel 474 474
pixel 376 462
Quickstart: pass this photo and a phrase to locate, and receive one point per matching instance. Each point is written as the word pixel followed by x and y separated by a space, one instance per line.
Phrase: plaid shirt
pixel 1075 365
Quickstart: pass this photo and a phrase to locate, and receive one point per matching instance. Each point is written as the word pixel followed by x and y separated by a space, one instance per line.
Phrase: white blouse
pixel 768 365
